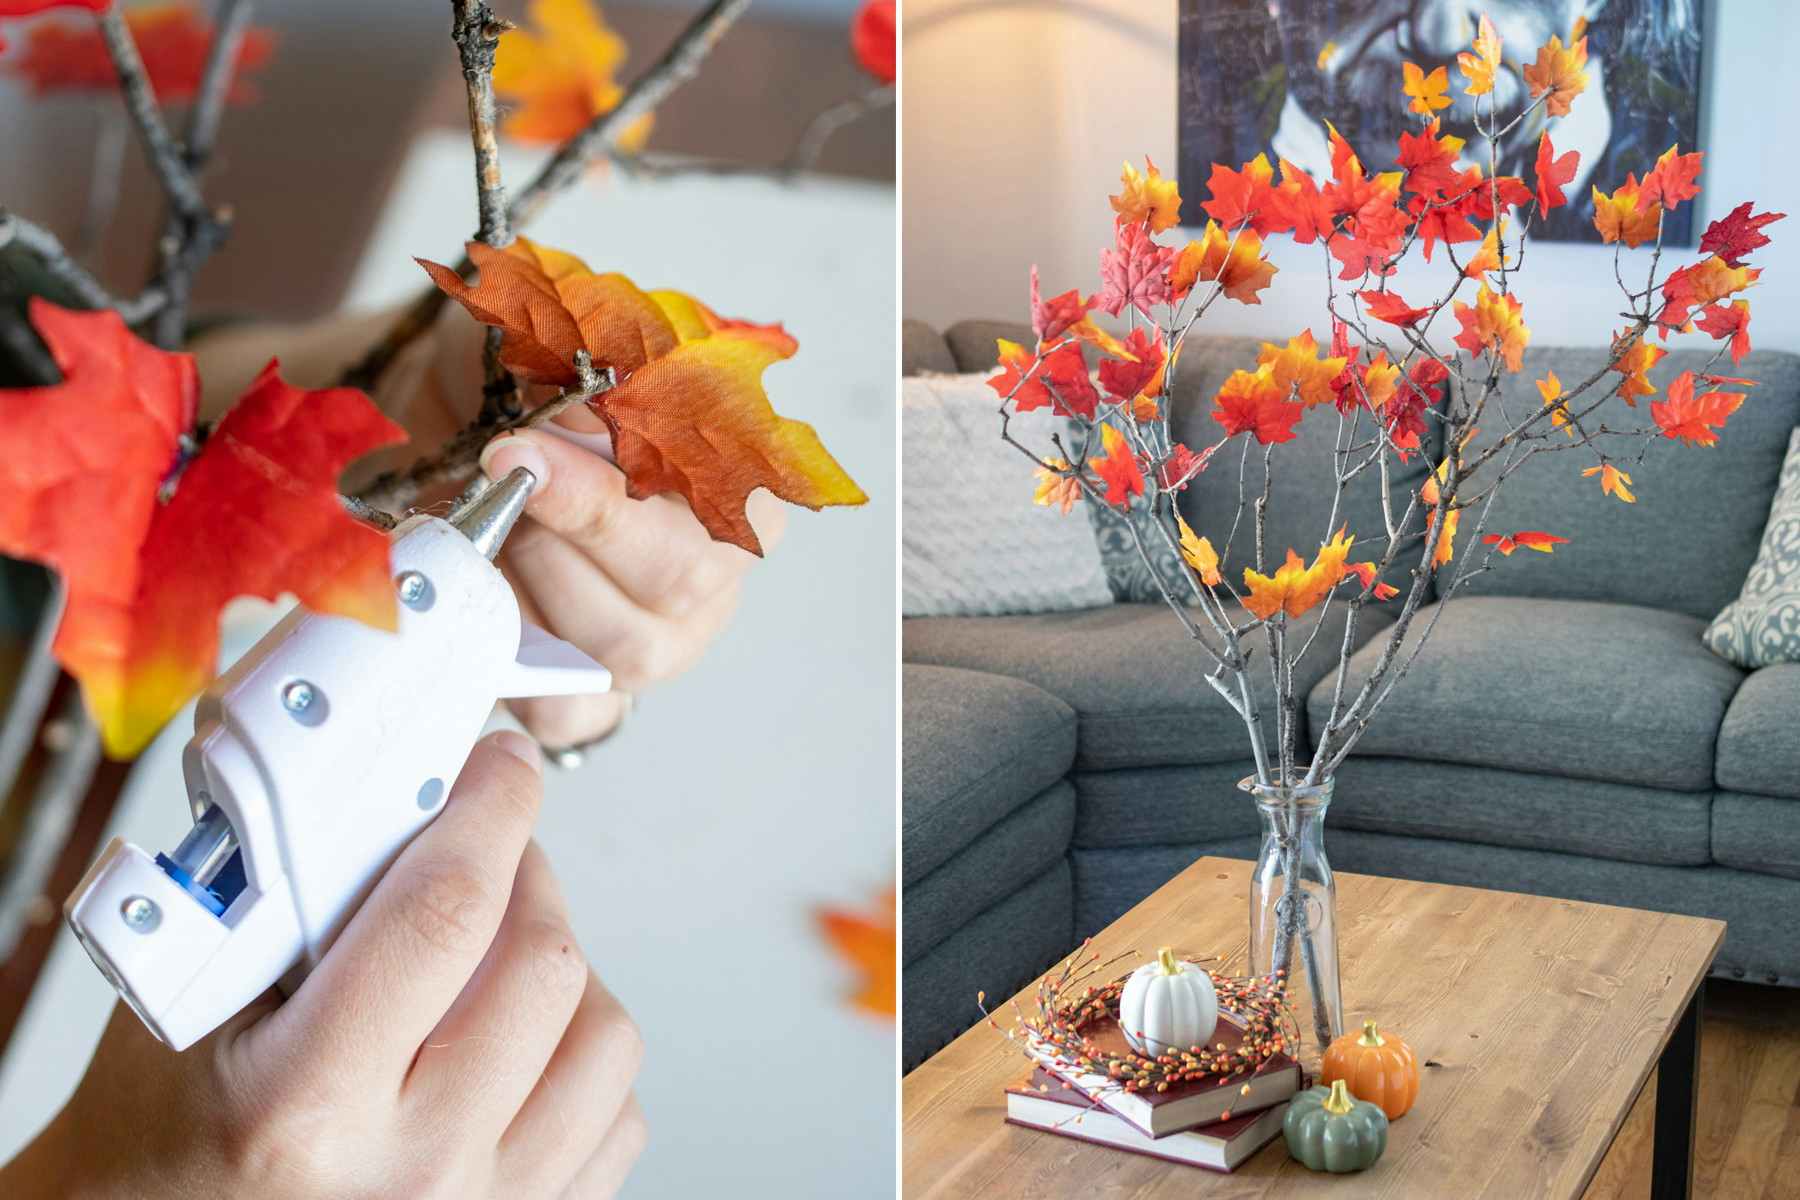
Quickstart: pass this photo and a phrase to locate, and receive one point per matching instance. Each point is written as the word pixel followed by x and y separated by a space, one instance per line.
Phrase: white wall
pixel 1018 113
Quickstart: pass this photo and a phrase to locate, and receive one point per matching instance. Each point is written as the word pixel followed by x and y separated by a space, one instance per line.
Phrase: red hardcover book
pixel 1049 1104
pixel 1159 1114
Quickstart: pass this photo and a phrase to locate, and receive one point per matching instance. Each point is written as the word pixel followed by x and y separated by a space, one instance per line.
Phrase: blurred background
pixel 702 845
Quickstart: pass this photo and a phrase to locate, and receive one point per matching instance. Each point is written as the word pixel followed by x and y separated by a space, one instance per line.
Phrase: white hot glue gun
pixel 314 760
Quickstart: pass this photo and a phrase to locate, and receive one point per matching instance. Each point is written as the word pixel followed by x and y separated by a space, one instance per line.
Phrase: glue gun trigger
pixel 548 666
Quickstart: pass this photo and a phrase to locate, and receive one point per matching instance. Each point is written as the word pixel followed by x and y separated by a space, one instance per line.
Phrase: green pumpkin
pixel 1328 1129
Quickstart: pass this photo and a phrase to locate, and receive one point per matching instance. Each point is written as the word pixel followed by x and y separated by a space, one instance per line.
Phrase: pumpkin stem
pixel 1166 959
pixel 1370 1036
pixel 1340 1101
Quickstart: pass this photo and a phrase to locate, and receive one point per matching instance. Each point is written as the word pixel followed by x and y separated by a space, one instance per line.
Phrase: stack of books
pixel 1188 1124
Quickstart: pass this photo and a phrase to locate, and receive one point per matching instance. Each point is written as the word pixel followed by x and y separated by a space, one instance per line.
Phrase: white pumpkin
pixel 1168 1004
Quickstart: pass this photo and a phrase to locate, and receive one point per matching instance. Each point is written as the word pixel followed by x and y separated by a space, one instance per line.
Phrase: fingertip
pixel 508 452
pixel 520 747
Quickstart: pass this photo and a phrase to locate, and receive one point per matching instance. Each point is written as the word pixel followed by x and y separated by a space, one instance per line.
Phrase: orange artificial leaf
pixel 1697 286
pixel 172 39
pixel 1732 321
pixel 1487 258
pixel 1138 373
pixel 1381 379
pixel 1634 362
pixel 1671 180
pixel 1251 402
pixel 1613 482
pixel 1297 588
pixel 688 414
pixel 1530 539
pixel 1234 261
pixel 1691 418
pixel 1553 174
pixel 1493 325
pixel 1240 197
pixel 1057 486
pixel 562 74
pixel 1480 66
pixel 1365 571
pixel 1550 388
pixel 1148 197
pixel 872 39
pixel 1118 467
pixel 868 942
pixel 1390 307
pixel 1560 71
pixel 1298 368
pixel 1199 554
pixel 147 565
pixel 1625 215
pixel 1432 496
pixel 1425 92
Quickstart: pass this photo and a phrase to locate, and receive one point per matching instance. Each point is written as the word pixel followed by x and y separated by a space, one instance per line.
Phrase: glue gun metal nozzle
pixel 488 517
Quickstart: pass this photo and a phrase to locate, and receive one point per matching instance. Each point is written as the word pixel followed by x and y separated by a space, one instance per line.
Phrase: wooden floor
pixel 1747 1136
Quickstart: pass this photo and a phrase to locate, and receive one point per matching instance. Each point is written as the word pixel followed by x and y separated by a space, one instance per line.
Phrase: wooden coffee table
pixel 1536 1023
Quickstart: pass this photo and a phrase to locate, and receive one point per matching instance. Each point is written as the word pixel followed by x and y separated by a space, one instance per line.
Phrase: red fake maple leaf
pixel 1252 402
pixel 172 39
pixel 1052 318
pixel 1135 271
pixel 1390 307
pixel 1671 180
pixel 1530 539
pixel 1122 378
pixel 1243 196
pixel 1553 174
pixel 255 512
pixel 1691 418
pixel 1118 467
pixel 1737 233
pixel 1065 370
pixel 1179 469
pixel 872 39
pixel 1430 161
pixel 1729 321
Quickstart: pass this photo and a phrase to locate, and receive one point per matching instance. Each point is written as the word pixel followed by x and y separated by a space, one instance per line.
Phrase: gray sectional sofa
pixel 1567 733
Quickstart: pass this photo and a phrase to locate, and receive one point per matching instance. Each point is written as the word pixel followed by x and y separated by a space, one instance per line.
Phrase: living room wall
pixel 1067 89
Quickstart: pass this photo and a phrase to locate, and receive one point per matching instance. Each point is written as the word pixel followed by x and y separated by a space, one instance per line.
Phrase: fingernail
pixel 520 747
pixel 500 456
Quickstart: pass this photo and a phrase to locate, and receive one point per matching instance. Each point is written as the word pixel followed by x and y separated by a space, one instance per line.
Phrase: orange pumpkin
pixel 1377 1068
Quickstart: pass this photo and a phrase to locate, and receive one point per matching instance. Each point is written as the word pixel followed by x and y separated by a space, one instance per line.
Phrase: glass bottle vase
pixel 1293 905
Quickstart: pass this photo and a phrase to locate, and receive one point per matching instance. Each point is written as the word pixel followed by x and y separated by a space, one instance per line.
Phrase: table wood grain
pixel 1536 1022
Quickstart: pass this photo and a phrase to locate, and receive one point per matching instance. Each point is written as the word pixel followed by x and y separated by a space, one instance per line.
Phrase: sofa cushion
pixel 1704 510
pixel 1756 833
pixel 974 748
pixel 997 863
pixel 1560 687
pixel 923 348
pixel 999 951
pixel 972 342
pixel 1132 676
pixel 1759 742
pixel 1153 806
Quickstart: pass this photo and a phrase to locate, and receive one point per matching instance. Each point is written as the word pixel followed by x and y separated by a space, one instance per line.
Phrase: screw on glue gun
pixel 315 759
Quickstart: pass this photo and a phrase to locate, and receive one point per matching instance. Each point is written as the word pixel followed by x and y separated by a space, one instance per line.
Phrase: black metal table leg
pixel 1677 1077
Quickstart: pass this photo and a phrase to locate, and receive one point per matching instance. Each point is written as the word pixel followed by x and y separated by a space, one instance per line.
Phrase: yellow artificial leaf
pixel 1199 554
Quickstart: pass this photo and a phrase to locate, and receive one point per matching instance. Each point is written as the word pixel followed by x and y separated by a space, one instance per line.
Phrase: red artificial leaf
pixel 255 512
pixel 1691 418
pixel 1671 180
pixel 1699 285
pixel 1017 380
pixel 1553 174
pixel 1737 233
pixel 872 39
pixel 1252 402
pixel 1179 469
pixel 1052 318
pixel 1123 379
pixel 1390 307
pixel 1530 539
pixel 1299 206
pixel 1066 372
pixel 1243 196
pixel 867 941
pixel 172 39
pixel 1430 161
pixel 1365 571
pixel 1118 467
pixel 1729 321
pixel 1135 272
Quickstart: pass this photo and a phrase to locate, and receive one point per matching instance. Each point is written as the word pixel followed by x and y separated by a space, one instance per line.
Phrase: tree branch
pixel 165 155
pixel 16 230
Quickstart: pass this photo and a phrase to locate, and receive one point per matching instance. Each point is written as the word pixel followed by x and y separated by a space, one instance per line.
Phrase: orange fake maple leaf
pixel 1148 197
pixel 1390 307
pixel 1699 285
pixel 1252 402
pixel 1635 357
pixel 1198 553
pixel 1057 486
pixel 1298 368
pixel 1694 419
pixel 689 413
pixel 1560 71
pixel 1296 588
pixel 867 941
pixel 1550 388
pixel 1234 261
pixel 1530 539
pixel 172 39
pixel 1425 92
pixel 1244 196
pixel 1613 482
pixel 1118 467
pixel 1432 496
pixel 1480 66
pixel 150 547
pixel 1671 180
pixel 1366 572
pixel 1487 257
pixel 1625 216
pixel 1493 324
pixel 561 75
pixel 1732 321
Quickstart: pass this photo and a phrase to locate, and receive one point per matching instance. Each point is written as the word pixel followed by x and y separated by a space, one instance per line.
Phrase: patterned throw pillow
pixel 1131 582
pixel 1762 625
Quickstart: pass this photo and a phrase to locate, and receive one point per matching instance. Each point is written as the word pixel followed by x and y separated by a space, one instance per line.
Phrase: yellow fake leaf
pixel 1613 482
pixel 560 75
pixel 1559 71
pixel 1298 365
pixel 1621 217
pixel 1296 588
pixel 1426 91
pixel 1199 554
pixel 1055 487
pixel 1481 65
pixel 1148 197
pixel 1236 262
pixel 1550 388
